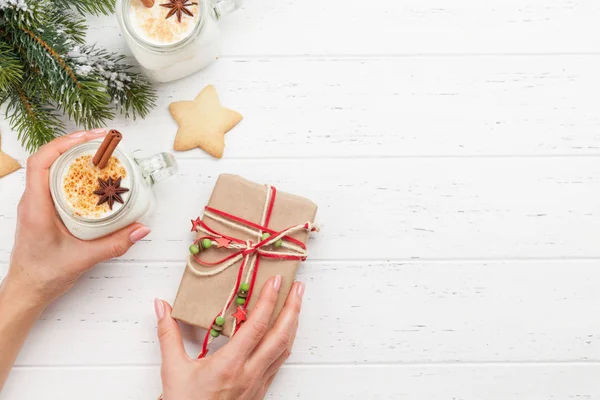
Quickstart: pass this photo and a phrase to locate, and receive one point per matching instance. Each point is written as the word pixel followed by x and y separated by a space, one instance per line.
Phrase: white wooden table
pixel 453 148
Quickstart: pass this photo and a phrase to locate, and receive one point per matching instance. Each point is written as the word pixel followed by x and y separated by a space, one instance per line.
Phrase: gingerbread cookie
pixel 203 122
pixel 8 164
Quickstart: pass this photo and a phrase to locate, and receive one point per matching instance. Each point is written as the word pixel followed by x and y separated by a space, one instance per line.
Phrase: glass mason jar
pixel 139 201
pixel 168 62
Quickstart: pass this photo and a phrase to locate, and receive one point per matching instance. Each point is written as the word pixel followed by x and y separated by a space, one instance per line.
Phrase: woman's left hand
pixel 46 258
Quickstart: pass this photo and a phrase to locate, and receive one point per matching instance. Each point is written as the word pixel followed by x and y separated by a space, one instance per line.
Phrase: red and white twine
pixel 248 252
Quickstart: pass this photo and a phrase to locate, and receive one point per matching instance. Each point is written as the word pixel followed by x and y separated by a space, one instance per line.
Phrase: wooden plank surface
pixel 354 312
pixel 453 150
pixel 350 27
pixel 464 382
pixel 388 107
pixel 440 207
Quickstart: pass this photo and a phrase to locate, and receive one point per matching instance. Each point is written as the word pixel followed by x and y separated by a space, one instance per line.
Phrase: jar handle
pixel 158 167
pixel 224 7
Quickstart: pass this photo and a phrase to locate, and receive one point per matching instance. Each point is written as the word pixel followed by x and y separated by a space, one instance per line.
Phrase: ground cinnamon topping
pixel 152 22
pixel 81 180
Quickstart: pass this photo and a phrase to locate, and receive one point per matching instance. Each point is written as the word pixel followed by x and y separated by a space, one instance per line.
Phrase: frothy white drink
pixel 74 179
pixel 152 25
pixel 166 48
pixel 80 180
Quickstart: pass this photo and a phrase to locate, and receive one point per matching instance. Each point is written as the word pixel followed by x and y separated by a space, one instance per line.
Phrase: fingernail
pixel 98 131
pixel 277 283
pixel 159 309
pixel 301 287
pixel 78 134
pixel 139 234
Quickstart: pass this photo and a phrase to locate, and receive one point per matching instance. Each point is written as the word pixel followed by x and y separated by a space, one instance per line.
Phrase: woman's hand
pixel 245 367
pixel 46 259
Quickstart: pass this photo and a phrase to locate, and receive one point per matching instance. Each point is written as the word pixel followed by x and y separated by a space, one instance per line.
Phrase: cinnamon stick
pixel 102 149
pixel 110 150
pixel 148 3
pixel 107 148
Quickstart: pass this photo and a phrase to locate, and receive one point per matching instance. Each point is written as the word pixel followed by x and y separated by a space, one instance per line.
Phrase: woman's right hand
pixel 242 369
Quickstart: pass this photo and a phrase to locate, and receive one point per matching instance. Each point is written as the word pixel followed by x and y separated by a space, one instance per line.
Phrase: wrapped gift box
pixel 201 298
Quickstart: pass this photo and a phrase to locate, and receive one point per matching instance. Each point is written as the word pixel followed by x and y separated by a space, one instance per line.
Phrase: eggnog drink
pixel 152 25
pixel 94 202
pixel 81 179
pixel 172 38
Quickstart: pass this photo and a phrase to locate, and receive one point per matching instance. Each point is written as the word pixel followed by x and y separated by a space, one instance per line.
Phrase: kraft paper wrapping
pixel 200 299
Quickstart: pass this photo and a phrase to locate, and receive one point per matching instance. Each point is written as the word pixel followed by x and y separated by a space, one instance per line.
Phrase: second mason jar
pixel 172 38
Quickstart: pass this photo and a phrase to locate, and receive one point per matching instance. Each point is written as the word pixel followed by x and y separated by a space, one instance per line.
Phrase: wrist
pixel 21 294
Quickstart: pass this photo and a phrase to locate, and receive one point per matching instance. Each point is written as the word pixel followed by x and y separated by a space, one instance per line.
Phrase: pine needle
pixel 46 71
pixel 94 7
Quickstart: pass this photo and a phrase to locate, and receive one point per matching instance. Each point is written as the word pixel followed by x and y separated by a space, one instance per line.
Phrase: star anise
pixel 110 191
pixel 179 7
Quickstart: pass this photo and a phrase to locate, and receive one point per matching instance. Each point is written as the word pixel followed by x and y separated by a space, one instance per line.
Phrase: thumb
pixel 116 244
pixel 169 336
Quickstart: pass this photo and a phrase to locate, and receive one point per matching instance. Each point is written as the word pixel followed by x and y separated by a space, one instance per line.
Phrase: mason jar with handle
pixel 172 38
pixel 77 189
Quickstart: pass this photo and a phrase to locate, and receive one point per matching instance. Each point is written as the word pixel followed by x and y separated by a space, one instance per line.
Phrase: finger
pixel 253 330
pixel 262 392
pixel 171 343
pixel 116 244
pixel 278 363
pixel 274 370
pixel 38 164
pixel 49 152
pixel 267 385
pixel 279 339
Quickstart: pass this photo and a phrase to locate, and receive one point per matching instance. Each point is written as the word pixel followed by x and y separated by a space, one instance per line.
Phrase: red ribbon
pixel 252 248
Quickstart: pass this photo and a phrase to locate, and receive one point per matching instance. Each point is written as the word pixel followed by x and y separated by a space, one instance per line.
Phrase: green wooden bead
pixel 214 333
pixel 245 287
pixel 266 235
pixel 240 302
pixel 220 321
pixel 279 243
pixel 194 249
pixel 206 243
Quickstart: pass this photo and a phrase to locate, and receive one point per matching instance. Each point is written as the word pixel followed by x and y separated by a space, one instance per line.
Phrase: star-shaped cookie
pixel 203 122
pixel 8 164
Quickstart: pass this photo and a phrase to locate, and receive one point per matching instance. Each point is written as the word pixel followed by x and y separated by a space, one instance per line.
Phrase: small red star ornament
pixel 240 315
pixel 195 224
pixel 222 242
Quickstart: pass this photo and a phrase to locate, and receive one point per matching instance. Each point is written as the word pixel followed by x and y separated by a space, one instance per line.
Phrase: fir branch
pixel 46 71
pixel 37 124
pixel 20 5
pixel 54 55
pixel 31 13
pixel 11 71
pixel 130 92
pixel 95 7
pixel 69 26
pixel 85 100
pixel 40 15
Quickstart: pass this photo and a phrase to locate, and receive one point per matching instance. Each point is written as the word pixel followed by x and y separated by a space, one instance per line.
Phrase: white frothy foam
pixel 151 24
